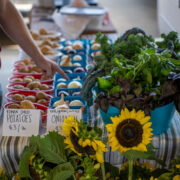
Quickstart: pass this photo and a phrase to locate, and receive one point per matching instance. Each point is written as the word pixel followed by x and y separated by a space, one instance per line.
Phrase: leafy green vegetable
pixel 172 36
pixel 104 83
pixel 52 148
pixel 62 171
pixel 27 153
pixel 89 170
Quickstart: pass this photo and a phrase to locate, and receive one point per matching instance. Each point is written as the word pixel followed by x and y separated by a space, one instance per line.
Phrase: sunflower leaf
pixel 52 148
pixel 149 154
pixel 63 171
pixel 24 165
pixel 27 153
pixel 158 172
pixel 114 171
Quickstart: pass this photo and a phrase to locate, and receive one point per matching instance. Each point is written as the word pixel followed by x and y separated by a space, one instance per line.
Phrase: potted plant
pixel 136 72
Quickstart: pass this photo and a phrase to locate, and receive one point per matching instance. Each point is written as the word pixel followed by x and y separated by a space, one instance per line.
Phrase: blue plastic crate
pixel 70 76
pixel 69 90
pixel 72 68
pixel 79 51
pixel 71 98
pixel 83 61
pixel 83 64
pixel 66 82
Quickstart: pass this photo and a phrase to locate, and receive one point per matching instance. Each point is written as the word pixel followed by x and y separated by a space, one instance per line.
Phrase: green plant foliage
pixel 52 148
pixel 27 153
pixel 172 36
pixel 89 170
pixel 62 171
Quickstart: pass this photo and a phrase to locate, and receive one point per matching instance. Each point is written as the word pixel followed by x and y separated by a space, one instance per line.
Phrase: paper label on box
pixel 21 122
pixel 55 118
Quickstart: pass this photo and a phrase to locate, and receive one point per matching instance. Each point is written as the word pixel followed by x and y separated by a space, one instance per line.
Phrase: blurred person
pixel 13 25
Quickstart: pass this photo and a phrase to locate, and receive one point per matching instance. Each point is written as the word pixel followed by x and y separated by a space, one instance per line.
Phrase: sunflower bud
pixel 97 166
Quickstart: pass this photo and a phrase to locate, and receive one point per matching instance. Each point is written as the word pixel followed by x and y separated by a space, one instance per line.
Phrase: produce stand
pixel 167 144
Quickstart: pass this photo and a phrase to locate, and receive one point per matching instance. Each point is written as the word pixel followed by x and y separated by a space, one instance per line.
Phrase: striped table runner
pixel 167 144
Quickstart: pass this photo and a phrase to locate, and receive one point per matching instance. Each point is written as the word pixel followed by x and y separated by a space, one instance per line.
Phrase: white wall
pixel 169 15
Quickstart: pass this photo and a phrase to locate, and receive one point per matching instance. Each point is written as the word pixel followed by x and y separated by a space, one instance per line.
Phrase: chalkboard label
pixel 55 118
pixel 21 122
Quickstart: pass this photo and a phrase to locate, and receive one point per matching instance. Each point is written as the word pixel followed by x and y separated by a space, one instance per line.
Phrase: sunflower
pixel 129 131
pixel 177 177
pixel 80 143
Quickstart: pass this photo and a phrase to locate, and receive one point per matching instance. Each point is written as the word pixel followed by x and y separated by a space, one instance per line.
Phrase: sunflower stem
pixel 130 175
pixel 103 171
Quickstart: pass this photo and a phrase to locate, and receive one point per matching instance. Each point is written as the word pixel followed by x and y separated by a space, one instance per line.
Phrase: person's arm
pixel 13 24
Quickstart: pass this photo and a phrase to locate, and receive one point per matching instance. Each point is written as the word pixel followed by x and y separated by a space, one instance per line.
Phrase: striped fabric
pixel 167 144
pixel 11 150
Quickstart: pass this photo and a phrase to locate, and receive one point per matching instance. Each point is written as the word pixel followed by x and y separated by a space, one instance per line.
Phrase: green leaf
pixel 104 83
pixel 115 89
pixel 62 171
pixel 52 148
pixel 158 172
pixel 24 165
pixel 147 75
pixel 118 63
pixel 149 154
pixel 165 176
pixel 150 51
pixel 34 142
pixel 114 171
pixel 175 62
pixel 165 72
pixel 27 153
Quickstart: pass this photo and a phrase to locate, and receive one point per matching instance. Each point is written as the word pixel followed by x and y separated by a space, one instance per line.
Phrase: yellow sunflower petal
pixel 147 125
pixel 177 177
pixel 94 146
pixel 145 120
pixel 109 127
pixel 133 114
pixel 99 156
pixel 140 115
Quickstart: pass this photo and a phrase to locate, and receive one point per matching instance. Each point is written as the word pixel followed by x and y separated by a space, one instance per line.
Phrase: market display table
pixel 167 144
pixel 40 18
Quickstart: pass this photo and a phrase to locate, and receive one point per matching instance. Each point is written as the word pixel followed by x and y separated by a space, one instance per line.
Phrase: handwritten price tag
pixel 21 122
pixel 55 118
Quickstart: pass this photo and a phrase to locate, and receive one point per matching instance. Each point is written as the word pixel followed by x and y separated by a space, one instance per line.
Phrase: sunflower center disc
pixel 129 133
pixel 87 149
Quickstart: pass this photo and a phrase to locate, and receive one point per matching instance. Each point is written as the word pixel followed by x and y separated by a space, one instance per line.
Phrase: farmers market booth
pixel 119 105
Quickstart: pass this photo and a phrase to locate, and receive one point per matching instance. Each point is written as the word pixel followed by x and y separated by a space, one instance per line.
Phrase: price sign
pixel 55 118
pixel 21 122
